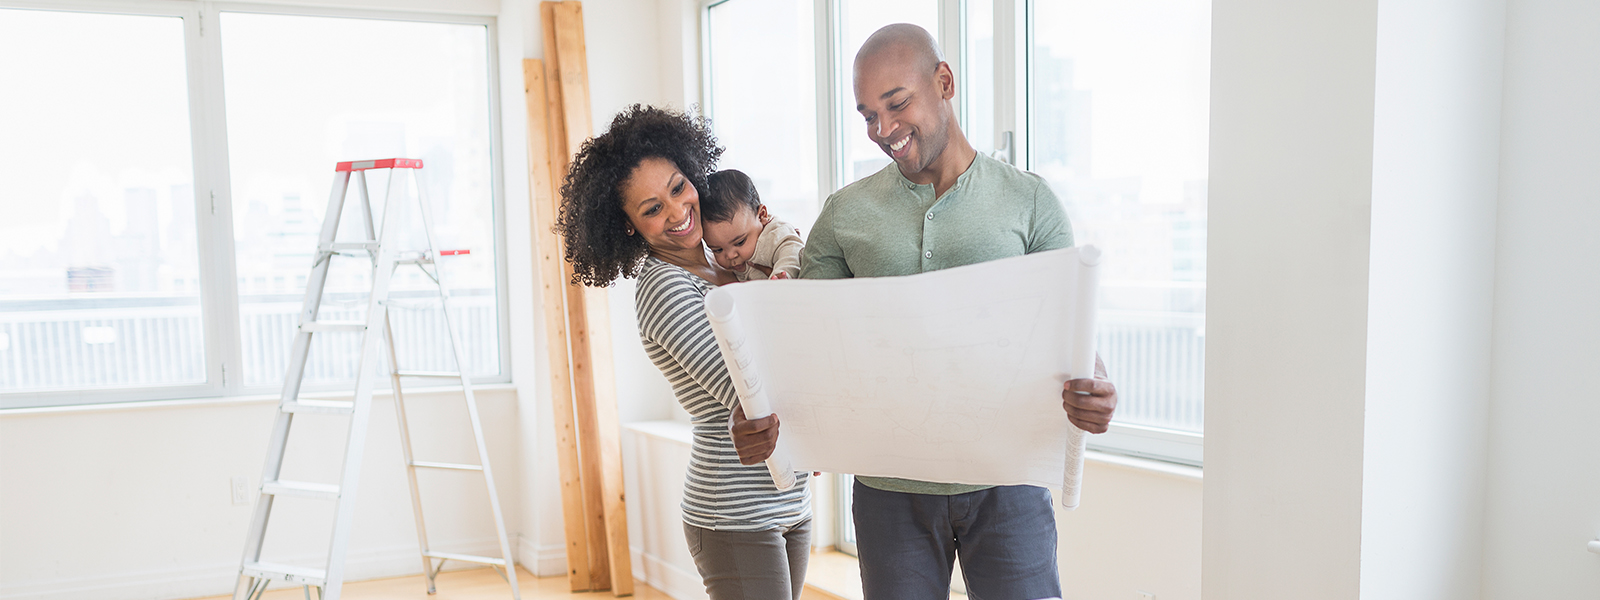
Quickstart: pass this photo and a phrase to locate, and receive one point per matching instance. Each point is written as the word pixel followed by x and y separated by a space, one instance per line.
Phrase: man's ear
pixel 945 79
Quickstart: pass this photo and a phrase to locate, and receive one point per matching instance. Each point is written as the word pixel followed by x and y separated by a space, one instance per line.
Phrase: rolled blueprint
pixel 1083 328
pixel 746 382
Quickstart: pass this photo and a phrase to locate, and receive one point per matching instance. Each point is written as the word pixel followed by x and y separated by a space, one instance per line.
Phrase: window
pixel 99 263
pixel 293 111
pixel 158 250
pixel 1118 123
pixel 857 19
pixel 762 68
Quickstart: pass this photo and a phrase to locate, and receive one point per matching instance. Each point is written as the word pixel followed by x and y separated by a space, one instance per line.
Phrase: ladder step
pixel 290 573
pixel 329 407
pixel 337 246
pixel 439 465
pixel 445 374
pixel 323 491
pixel 466 558
pixel 322 326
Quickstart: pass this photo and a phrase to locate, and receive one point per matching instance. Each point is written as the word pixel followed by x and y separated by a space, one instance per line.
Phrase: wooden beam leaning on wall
pixel 601 508
pixel 547 249
pixel 601 401
pixel 591 512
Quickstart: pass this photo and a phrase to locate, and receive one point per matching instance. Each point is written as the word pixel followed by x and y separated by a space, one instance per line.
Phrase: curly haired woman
pixel 630 207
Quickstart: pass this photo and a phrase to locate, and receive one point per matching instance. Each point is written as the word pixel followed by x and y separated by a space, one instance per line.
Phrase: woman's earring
pixel 630 231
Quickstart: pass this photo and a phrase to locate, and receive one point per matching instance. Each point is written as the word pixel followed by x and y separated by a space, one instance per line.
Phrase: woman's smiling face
pixel 662 205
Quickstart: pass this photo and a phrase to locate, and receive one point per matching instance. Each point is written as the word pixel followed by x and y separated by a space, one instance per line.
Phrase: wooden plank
pixel 596 401
pixel 552 281
pixel 574 68
pixel 559 156
pixel 561 153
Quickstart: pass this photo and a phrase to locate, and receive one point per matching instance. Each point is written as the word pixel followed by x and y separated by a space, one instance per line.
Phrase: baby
pixel 742 237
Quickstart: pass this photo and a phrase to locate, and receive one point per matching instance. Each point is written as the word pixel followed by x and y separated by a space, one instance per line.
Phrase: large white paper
pixel 951 376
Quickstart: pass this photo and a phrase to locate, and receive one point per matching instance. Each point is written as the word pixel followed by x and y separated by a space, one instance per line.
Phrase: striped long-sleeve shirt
pixel 718 492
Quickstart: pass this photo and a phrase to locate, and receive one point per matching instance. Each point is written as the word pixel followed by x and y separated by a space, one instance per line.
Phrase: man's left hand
pixel 1090 402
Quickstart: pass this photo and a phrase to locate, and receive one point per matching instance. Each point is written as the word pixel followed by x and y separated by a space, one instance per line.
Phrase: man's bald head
pixel 902 44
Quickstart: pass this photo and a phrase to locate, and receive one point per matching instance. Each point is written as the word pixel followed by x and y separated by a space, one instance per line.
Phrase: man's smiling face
pixel 905 102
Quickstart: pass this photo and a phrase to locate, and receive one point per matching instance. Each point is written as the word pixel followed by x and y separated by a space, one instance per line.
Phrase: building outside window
pixel 99 261
pixel 154 249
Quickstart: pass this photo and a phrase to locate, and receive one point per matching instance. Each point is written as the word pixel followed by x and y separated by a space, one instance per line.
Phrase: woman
pixel 630 206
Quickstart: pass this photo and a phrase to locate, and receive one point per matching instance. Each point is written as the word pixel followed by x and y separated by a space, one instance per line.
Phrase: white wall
pixel 134 502
pixel 1544 469
pixel 1291 168
pixel 1435 169
pixel 1472 407
pixel 1137 531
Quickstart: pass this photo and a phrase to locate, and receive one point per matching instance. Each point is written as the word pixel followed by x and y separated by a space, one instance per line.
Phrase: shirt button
pixel 928 254
pixel 930 216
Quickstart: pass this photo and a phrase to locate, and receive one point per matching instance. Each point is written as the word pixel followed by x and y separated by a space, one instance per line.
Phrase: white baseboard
pixel 675 581
pixel 549 560
pixel 218 578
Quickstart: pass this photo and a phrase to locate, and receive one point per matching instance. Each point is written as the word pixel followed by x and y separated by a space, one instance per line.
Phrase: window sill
pixel 234 400
pixel 1145 465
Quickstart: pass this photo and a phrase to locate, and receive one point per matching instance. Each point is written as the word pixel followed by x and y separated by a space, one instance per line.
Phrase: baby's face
pixel 733 242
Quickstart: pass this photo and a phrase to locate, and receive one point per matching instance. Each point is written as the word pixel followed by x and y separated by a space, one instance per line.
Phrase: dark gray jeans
pixel 1005 537
pixel 752 565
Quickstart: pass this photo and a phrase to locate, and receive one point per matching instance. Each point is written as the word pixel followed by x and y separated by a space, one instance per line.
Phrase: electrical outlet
pixel 1143 595
pixel 241 490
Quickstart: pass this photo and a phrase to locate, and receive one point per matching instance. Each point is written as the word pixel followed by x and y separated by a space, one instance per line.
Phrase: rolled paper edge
pixel 1072 478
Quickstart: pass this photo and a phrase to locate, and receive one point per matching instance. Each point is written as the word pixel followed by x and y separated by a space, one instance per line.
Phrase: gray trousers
pixel 1005 537
pixel 752 565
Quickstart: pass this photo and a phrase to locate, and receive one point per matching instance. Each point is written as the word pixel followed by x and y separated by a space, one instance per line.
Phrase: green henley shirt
pixel 884 225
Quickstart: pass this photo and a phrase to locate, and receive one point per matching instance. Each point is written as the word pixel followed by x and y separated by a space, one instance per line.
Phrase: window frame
pixel 219 297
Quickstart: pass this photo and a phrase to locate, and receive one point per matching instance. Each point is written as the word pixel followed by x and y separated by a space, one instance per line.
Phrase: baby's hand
pixel 779 275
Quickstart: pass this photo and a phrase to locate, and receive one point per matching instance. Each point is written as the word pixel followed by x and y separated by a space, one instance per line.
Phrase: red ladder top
pixel 387 163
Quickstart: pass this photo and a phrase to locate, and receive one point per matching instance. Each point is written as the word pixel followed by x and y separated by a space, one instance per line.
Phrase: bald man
pixel 939 204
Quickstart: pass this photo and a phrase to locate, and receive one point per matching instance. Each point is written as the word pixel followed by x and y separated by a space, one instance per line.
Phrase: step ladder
pixel 254 574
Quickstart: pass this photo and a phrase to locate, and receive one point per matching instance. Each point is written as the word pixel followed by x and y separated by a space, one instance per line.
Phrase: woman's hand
pixel 754 439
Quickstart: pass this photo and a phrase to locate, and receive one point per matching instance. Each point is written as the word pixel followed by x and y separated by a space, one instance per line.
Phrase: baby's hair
pixel 726 191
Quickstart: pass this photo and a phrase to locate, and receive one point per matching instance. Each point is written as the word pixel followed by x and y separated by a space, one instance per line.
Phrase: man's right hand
pixel 754 439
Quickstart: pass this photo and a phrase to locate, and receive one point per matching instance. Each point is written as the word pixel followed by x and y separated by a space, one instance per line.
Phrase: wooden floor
pixel 474 584
pixel 831 576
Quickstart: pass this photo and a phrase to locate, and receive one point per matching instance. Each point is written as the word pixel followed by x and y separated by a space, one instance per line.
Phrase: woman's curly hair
pixel 591 219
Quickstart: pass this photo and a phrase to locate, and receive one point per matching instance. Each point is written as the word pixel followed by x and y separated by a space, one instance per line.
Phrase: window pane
pixel 858 19
pixel 99 264
pixel 763 65
pixel 353 89
pixel 977 76
pixel 1120 97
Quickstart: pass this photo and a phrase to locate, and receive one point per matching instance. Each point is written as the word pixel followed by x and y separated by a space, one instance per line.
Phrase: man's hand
pixel 754 439
pixel 1089 402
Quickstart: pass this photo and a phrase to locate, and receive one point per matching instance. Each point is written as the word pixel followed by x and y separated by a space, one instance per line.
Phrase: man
pixel 939 204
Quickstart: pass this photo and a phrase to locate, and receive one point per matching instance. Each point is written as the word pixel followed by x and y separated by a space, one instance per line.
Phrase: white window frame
pixel 219 298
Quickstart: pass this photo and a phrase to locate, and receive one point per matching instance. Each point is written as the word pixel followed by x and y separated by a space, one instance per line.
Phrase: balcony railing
pixel 1158 363
pixel 127 341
